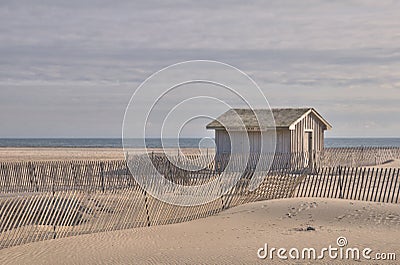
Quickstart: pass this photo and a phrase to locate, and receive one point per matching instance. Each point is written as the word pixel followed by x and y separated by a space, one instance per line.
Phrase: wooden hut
pixel 298 130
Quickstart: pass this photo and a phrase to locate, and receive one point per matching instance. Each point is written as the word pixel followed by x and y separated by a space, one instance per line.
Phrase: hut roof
pixel 284 118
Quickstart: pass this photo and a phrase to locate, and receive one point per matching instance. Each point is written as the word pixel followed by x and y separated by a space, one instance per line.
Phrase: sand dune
pixel 231 237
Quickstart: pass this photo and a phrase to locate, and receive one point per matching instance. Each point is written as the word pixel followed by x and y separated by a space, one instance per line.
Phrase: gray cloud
pixel 68 68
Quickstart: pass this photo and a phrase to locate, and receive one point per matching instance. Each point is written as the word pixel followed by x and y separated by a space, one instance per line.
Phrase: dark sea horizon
pixel 172 143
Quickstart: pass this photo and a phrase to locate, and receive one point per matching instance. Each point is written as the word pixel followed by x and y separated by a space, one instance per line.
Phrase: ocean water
pixel 362 142
pixel 102 142
pixel 172 143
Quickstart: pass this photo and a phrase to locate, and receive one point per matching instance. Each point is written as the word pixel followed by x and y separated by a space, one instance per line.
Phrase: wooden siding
pixel 286 140
pixel 222 142
pixel 283 141
pixel 268 142
pixel 309 123
pixel 256 145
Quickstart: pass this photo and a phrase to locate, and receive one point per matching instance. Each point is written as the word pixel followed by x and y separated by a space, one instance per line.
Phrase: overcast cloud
pixel 68 68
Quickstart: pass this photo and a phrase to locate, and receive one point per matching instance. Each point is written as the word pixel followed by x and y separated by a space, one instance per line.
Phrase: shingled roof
pixel 284 118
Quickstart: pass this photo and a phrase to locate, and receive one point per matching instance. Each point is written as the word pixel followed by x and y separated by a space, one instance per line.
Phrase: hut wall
pixel 286 140
pixel 309 123
pixel 234 142
pixel 268 138
pixel 222 142
pixel 283 141
pixel 257 145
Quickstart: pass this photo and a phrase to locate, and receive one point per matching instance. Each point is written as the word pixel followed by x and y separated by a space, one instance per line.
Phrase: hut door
pixel 308 148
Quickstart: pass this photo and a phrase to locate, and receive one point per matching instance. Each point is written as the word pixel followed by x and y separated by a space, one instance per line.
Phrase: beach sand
pixel 18 154
pixel 11 154
pixel 231 237
pixel 395 163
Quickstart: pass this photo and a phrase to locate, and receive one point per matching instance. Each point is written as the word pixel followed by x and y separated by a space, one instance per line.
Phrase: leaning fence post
pixel 53 182
pixel 146 203
pixel 32 177
pixel 222 202
pixel 102 175
pixel 340 183
pixel 53 202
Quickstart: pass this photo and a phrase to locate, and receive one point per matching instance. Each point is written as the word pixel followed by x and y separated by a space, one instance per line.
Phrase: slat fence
pixel 47 200
pixel 353 183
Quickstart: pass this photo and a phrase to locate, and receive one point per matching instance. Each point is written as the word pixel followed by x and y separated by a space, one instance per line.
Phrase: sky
pixel 69 68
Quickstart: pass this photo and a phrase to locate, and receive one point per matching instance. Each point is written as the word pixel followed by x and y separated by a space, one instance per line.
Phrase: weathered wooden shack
pixel 298 130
